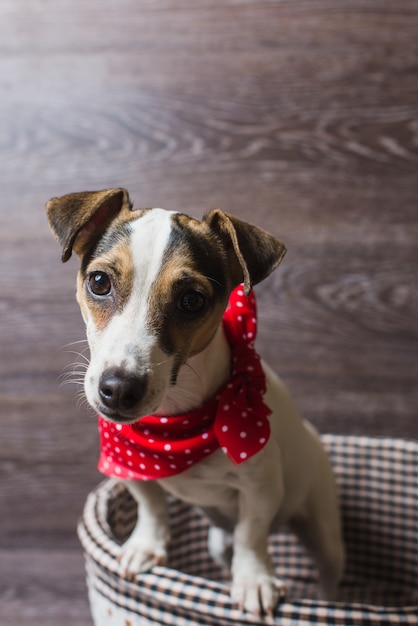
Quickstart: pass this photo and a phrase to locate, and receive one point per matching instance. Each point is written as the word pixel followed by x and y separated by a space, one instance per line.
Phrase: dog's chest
pixel 212 482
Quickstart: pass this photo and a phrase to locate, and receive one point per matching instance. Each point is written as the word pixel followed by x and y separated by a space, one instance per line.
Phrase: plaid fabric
pixel 378 485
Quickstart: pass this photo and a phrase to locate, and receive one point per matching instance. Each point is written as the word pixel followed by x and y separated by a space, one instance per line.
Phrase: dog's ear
pixel 78 220
pixel 253 252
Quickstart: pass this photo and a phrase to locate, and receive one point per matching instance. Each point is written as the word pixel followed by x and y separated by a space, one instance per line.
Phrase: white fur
pixel 111 347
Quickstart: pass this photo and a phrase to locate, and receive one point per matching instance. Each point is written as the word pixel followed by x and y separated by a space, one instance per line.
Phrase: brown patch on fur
pixel 79 219
pixel 117 263
pixel 112 256
pixel 193 262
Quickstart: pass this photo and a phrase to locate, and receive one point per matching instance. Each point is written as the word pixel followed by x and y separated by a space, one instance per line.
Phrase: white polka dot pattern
pixel 235 420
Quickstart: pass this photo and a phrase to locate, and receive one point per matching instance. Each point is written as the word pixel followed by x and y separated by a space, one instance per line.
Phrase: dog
pixel 185 403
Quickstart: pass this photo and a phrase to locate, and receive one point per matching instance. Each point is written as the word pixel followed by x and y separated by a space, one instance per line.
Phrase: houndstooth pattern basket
pixel 378 486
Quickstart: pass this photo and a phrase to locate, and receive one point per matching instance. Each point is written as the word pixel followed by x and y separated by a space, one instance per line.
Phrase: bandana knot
pixel 235 419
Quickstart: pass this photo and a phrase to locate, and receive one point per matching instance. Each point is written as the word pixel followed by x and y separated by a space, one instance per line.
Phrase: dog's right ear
pixel 78 220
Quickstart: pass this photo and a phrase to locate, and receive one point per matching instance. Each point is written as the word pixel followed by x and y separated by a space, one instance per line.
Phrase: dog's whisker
pixel 78 373
pixel 75 373
pixel 82 401
pixel 78 364
pixel 73 343
pixel 74 376
pixel 79 354
pixel 72 382
pixel 161 363
pixel 70 376
pixel 195 372
pixel 76 343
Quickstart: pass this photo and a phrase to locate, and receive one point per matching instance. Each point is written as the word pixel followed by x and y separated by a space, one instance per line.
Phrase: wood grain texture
pixel 45 588
pixel 299 116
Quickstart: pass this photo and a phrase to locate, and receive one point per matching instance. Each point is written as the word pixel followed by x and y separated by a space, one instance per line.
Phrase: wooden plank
pixel 39 587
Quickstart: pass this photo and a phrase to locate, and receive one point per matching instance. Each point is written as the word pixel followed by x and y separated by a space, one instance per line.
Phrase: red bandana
pixel 235 419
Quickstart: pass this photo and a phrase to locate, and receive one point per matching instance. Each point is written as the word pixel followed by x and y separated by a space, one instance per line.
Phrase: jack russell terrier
pixel 185 403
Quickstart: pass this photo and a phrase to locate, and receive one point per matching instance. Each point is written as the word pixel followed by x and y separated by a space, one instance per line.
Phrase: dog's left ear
pixel 253 252
pixel 78 220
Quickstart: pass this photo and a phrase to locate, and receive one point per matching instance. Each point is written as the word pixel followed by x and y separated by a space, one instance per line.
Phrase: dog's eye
pixel 99 283
pixel 192 302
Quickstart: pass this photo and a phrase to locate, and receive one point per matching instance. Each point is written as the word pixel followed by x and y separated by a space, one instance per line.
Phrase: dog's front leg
pixel 147 545
pixel 254 586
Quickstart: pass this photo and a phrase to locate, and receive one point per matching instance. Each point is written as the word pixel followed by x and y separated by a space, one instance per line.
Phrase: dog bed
pixel 378 486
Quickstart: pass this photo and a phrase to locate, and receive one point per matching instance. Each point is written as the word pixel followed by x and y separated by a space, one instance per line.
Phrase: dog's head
pixel 152 287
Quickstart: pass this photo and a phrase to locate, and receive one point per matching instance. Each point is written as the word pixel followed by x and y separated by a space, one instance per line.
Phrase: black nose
pixel 120 391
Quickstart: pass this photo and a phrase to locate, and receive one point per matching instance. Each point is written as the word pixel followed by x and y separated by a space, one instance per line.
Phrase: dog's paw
pixel 256 593
pixel 137 556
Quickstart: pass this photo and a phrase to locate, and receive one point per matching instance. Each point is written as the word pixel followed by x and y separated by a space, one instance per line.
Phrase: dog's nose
pixel 120 391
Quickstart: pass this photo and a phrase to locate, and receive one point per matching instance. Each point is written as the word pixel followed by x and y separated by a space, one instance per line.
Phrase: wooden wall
pixel 301 116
